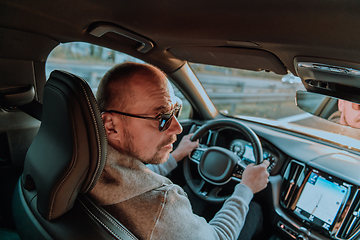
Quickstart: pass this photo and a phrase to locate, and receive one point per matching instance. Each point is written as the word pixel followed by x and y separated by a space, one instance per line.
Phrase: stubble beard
pixel 130 151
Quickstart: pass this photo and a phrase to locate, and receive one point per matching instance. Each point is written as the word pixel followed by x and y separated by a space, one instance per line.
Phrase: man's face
pixel 350 116
pixel 141 138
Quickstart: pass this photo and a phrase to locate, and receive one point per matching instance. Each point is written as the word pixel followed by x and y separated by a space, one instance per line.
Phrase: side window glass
pixel 85 60
pixel 91 62
pixel 186 107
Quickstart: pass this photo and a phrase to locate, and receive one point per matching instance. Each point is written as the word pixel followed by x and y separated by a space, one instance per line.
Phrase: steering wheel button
pixel 237 175
pixel 197 154
pixel 204 193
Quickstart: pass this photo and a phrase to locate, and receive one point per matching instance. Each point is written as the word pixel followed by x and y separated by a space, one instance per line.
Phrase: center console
pixel 322 203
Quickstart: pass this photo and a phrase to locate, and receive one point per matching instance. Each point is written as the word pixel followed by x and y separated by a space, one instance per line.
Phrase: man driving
pixel 139 111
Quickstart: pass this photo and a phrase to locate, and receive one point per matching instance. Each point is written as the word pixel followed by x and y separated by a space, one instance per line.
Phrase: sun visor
pixel 334 78
pixel 243 58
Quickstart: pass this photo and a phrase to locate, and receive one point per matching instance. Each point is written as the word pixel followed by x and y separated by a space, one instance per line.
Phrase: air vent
pixel 351 226
pixel 293 178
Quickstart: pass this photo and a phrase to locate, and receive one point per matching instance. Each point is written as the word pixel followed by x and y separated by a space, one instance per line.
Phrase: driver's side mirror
pixel 333 109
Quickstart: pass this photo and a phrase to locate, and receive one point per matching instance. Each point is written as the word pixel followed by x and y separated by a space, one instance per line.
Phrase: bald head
pixel 120 83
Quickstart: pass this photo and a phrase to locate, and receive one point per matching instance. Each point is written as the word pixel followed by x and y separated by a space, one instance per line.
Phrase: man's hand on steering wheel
pixel 256 177
pixel 209 170
pixel 185 147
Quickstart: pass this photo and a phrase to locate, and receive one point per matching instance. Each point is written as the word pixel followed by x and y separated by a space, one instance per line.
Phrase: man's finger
pixel 266 163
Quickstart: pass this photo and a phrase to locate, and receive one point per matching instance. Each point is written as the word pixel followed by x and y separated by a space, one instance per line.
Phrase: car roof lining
pixel 22 45
pixel 276 33
pixel 188 23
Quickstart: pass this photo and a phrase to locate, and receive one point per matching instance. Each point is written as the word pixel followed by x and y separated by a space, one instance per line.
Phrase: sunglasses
pixel 355 106
pixel 164 119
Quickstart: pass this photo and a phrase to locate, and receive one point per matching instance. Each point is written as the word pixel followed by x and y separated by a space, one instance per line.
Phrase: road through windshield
pixel 258 96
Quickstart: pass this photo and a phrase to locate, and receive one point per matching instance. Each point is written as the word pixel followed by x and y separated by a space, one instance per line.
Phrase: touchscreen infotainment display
pixel 321 200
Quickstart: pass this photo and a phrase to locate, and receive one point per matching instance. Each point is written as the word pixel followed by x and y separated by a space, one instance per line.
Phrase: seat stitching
pixel 103 224
pixel 111 220
pixel 82 177
pixel 98 140
pixel 97 134
pixel 76 156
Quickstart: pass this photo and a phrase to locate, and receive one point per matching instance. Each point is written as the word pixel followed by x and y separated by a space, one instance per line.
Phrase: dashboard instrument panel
pixel 237 143
pixel 244 150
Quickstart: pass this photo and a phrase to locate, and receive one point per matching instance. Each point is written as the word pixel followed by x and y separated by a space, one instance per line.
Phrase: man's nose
pixel 175 126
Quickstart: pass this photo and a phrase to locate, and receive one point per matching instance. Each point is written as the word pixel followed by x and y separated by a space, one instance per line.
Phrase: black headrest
pixel 68 153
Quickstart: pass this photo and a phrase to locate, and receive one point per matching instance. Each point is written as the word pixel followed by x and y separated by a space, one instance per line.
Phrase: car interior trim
pixel 184 78
pixel 234 61
pixel 99 29
pixel 245 58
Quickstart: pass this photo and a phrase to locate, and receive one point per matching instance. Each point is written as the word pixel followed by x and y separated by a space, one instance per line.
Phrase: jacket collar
pixel 124 177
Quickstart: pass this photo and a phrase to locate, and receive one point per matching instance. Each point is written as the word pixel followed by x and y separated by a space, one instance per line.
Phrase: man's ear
pixel 112 132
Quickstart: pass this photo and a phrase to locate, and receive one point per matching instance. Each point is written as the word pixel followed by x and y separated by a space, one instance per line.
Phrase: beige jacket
pixel 152 207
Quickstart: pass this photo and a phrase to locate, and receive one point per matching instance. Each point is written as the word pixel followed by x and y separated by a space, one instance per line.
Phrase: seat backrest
pixel 62 164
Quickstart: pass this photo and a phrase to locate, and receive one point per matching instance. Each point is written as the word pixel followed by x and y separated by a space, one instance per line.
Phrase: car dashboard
pixel 314 185
pixel 237 143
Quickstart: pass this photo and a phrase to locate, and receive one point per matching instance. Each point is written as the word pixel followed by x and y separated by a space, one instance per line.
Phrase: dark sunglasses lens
pixel 356 106
pixel 165 122
pixel 177 112
pixel 166 119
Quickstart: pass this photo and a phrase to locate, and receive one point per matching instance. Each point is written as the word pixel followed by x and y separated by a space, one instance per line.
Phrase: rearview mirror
pixel 333 109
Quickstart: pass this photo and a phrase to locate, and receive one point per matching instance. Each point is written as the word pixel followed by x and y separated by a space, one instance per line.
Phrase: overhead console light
pixel 330 77
pixel 329 68
pixel 99 29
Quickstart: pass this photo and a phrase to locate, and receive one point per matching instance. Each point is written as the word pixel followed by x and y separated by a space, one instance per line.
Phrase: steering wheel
pixel 217 166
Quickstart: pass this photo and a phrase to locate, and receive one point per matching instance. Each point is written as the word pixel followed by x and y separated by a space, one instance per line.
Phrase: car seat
pixel 62 164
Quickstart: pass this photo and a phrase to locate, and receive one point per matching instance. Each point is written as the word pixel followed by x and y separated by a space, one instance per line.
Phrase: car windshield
pixel 270 99
pixel 260 96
